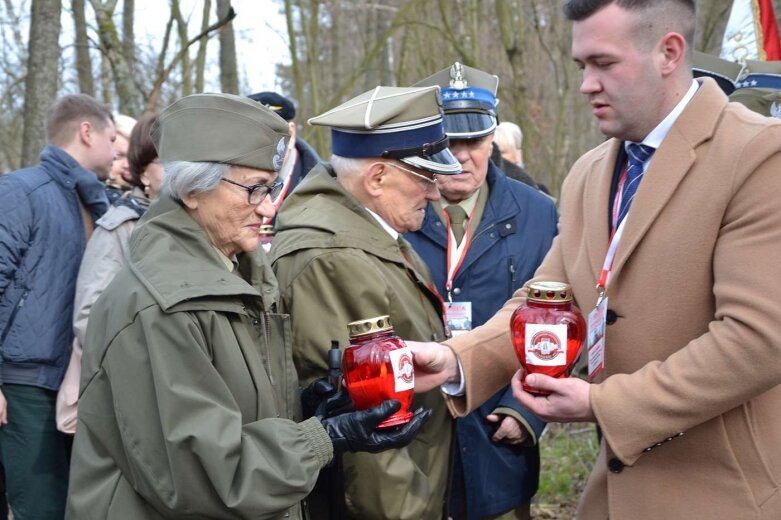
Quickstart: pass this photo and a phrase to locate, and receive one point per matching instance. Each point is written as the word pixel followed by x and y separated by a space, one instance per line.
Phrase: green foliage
pixel 568 452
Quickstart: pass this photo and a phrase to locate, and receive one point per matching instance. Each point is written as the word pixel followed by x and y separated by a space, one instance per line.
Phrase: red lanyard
pixel 456 254
pixel 610 257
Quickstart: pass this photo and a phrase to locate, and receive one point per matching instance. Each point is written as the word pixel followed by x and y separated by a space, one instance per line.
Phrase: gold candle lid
pixel 549 292
pixel 369 326
pixel 266 229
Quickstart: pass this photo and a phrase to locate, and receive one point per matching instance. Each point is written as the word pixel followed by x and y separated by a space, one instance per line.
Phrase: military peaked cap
pixel 468 99
pixel 759 88
pixel 396 122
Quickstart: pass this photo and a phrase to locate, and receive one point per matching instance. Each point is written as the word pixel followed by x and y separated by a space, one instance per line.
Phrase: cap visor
pixel 469 125
pixel 442 163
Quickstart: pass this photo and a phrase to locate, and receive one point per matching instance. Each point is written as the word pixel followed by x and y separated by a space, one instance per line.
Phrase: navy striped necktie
pixel 637 156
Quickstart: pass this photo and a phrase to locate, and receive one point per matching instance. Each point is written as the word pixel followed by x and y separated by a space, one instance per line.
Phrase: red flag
pixel 752 32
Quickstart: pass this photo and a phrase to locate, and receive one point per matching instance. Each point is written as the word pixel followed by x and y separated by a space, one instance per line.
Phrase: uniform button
pixel 658 444
pixel 669 439
pixel 508 226
pixel 648 449
pixel 680 434
pixel 457 290
pixel 615 465
pixel 610 316
pixel 492 235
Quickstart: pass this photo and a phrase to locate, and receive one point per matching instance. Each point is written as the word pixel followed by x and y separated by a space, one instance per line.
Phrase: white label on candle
pixel 403 369
pixel 546 345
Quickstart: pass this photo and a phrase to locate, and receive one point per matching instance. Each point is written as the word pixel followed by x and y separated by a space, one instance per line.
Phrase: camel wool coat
pixel 689 399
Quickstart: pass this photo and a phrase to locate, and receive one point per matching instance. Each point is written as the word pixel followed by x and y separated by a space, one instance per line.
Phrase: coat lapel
pixel 671 162
pixel 596 204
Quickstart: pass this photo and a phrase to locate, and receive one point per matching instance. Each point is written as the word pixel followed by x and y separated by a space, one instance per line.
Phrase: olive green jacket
pixel 188 388
pixel 336 264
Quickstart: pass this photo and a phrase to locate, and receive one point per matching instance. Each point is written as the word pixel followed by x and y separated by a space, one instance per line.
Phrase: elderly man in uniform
pixel 482 240
pixel 339 257
pixel 670 237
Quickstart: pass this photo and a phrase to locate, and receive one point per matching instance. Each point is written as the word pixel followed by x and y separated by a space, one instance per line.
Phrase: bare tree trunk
pixel 83 59
pixel 200 59
pixel 42 75
pixel 229 76
pixel 181 25
pixel 106 85
pixel 128 36
pixel 295 63
pixel 124 82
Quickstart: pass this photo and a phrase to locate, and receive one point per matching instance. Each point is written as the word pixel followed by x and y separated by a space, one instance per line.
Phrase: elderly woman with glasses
pixel 189 403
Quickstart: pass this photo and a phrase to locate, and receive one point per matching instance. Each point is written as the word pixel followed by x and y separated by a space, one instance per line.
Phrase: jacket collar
pixel 171 256
pixel 501 205
pixel 68 173
pixel 348 225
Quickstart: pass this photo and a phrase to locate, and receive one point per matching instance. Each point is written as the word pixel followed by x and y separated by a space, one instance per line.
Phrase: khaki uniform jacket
pixel 689 405
pixel 188 388
pixel 336 264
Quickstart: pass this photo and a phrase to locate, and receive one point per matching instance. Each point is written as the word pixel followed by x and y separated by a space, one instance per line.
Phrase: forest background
pixel 335 49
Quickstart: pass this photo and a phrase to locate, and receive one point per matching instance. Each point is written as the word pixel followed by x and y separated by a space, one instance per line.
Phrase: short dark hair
pixel 579 10
pixel 141 149
pixel 65 115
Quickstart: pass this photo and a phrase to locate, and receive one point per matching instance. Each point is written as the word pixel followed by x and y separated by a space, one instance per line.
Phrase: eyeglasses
pixel 257 192
pixel 431 180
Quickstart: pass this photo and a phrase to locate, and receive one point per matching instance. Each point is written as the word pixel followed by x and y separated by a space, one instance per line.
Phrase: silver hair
pixel 183 178
pixel 347 166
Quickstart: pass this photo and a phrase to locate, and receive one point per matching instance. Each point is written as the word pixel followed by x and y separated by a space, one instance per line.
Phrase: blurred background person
pixel 48 213
pixel 300 157
pixel 508 155
pixel 116 183
pixel 105 254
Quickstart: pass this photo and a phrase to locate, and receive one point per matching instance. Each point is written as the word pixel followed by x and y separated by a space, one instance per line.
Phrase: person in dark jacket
pixel 48 212
pixel 482 241
pixel 300 157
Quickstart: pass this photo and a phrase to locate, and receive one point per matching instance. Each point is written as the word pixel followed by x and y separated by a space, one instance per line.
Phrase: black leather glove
pixel 321 399
pixel 357 431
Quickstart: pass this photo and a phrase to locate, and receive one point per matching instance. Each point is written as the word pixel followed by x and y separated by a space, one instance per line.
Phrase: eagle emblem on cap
pixel 280 155
pixel 775 110
pixel 457 79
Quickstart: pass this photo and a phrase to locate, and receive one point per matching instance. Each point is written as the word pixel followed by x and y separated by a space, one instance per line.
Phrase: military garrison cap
pixel 759 88
pixel 276 102
pixel 402 123
pixel 221 128
pixel 724 72
pixel 468 98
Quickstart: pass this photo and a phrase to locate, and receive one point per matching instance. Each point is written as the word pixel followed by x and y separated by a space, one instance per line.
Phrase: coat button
pixel 610 316
pixel 457 290
pixel 615 465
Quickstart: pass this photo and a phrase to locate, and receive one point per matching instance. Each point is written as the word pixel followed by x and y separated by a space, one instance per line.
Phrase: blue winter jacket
pixel 513 236
pixel 42 240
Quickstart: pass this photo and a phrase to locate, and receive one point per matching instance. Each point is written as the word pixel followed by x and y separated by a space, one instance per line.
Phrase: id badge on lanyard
pixel 457 314
pixel 597 318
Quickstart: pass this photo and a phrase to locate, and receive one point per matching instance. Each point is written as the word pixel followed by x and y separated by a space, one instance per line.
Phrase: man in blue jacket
pixel 47 212
pixel 482 241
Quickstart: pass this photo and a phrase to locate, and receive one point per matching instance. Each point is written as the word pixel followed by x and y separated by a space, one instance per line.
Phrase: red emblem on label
pixel 545 345
pixel 406 369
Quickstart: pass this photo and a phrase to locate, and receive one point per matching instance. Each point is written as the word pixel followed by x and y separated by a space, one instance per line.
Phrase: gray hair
pixel 348 166
pixel 183 178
